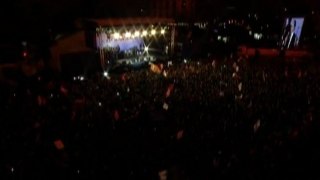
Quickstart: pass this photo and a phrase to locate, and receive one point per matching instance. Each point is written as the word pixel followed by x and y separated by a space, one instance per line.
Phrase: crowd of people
pixel 217 119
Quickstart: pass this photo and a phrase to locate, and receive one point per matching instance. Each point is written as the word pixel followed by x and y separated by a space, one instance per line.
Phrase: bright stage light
pixel 137 34
pixel 153 32
pixel 144 33
pixel 127 35
pixel 162 31
pixel 105 74
pixel 116 35
pixel 146 49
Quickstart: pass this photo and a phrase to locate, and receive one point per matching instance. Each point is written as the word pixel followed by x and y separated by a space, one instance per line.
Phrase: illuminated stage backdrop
pixel 131 40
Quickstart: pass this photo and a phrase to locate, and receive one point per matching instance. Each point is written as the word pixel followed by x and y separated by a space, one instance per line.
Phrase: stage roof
pixel 130 21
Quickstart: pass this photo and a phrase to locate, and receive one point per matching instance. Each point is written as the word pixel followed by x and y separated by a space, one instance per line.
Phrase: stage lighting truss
pixel 130 34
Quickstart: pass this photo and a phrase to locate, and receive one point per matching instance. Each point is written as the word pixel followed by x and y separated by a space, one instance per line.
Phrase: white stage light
pixel 137 34
pixel 116 35
pixel 162 31
pixel 153 32
pixel 144 33
pixel 128 35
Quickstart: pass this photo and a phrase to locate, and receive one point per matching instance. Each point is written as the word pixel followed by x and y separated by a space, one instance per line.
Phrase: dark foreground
pixel 206 121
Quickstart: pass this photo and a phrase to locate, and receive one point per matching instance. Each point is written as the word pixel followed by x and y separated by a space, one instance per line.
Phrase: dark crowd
pixel 214 119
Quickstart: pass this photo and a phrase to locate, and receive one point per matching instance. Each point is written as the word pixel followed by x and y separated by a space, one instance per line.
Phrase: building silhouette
pixel 178 9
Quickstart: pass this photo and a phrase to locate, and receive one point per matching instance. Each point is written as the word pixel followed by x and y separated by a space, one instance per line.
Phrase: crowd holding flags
pixel 156 68
pixel 169 90
pixel 192 106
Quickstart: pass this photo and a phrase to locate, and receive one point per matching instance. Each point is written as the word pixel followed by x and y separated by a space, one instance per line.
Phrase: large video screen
pixel 291 33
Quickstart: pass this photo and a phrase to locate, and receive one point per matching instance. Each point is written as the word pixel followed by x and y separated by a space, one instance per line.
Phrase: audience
pixel 196 120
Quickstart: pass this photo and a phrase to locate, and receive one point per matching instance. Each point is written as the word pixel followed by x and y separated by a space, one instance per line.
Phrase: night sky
pixel 37 16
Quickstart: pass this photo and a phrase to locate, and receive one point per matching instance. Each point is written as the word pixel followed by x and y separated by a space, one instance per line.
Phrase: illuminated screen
pixel 291 33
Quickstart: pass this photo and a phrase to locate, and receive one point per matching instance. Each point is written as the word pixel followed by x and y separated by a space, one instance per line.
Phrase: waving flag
pixel 124 77
pixel 180 134
pixel 116 115
pixel 169 90
pixel 63 90
pixel 41 100
pixel 59 144
pixel 165 106
pixel 155 68
pixel 257 125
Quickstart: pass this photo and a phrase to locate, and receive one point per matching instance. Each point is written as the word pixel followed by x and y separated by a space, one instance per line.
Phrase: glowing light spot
pixel 116 35
pixel 24 54
pixel 127 35
pixel 105 74
pixel 144 33
pixel 153 32
pixel 137 34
